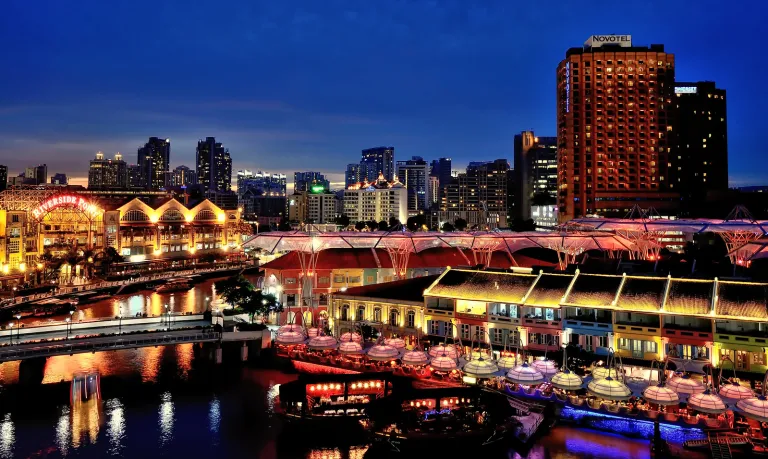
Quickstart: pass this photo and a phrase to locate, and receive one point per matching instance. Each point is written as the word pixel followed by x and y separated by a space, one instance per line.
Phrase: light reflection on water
pixel 7 436
pixel 166 419
pixel 115 426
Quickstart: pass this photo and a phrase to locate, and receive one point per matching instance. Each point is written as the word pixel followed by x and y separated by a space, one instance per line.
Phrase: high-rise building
pixel 262 194
pixel 135 178
pixel 183 176
pixel 154 161
pixel 441 168
pixel 214 166
pixel 535 172
pixel 263 183
pixel 434 190
pixel 414 174
pixel 36 175
pixel 700 159
pixel 59 179
pixel 352 175
pixel 377 201
pixel 306 181
pixel 479 194
pixel 375 161
pixel 107 173
pixel 317 207
pixel 3 177
pixel 614 118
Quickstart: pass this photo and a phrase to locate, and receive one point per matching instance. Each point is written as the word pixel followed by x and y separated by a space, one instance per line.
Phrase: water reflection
pixel 63 431
pixel 7 436
pixel 166 419
pixel 116 426
pixel 86 420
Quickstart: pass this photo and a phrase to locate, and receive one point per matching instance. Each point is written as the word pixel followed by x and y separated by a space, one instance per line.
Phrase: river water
pixel 174 402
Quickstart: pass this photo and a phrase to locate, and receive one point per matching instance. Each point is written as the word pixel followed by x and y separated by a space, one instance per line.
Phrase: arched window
pixel 172 215
pixel 205 214
pixel 411 319
pixel 360 313
pixel 345 312
pixel 377 315
pixel 393 316
pixel 134 216
pixel 307 319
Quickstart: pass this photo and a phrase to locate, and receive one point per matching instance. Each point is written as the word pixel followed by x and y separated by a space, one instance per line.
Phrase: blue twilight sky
pixel 305 85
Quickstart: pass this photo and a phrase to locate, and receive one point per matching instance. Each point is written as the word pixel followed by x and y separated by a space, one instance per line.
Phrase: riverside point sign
pixel 596 41
pixel 65 200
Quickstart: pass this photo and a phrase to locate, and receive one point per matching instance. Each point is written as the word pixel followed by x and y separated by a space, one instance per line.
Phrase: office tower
pixel 377 201
pixel 107 173
pixel 262 194
pixel 434 190
pixel 183 176
pixel 614 121
pixel 700 159
pixel 478 196
pixel 375 161
pixel 3 177
pixel 154 161
pixel 36 175
pixel 305 181
pixel 441 168
pixel 214 165
pixel 317 207
pixel 414 174
pixel 535 172
pixel 59 179
pixel 352 175
pixel 263 183
pixel 134 176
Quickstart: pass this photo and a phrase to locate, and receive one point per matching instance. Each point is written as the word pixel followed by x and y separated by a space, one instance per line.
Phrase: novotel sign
pixel 65 200
pixel 596 41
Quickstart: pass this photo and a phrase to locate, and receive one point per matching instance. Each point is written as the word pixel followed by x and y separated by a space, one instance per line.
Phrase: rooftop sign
pixel 686 90
pixel 596 41
pixel 65 200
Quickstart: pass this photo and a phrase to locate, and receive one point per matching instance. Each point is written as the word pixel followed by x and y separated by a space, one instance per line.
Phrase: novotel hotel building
pixel 43 223
pixel 615 106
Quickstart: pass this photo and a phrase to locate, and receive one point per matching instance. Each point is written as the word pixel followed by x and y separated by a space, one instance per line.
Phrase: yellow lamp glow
pixel 6 269
pixel 39 266
pixel 157 252
pixel 154 218
pixel 189 217
pixel 220 217
pixel 22 267
pixel 192 250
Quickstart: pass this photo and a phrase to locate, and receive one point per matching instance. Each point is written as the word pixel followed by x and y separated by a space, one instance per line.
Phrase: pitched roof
pixel 593 290
pixel 689 297
pixel 402 290
pixel 739 299
pixel 642 293
pixel 482 286
pixel 549 290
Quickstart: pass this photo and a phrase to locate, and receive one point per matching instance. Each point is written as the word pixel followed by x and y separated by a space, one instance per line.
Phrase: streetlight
pixel 120 321
pixel 168 316
pixel 14 292
pixel 18 330
pixel 68 325
pixel 10 327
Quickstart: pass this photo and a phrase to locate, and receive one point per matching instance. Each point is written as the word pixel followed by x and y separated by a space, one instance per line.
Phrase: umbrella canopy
pixel 415 358
pixel 603 372
pixel 546 367
pixel 323 342
pixel 443 363
pixel 754 408
pixel 397 343
pixel 661 395
pixel 609 389
pixel 290 337
pixel 289 327
pixel 354 336
pixel 706 402
pixel 566 380
pixel 350 347
pixel 685 385
pixel 524 374
pixel 476 354
pixel 480 368
pixel 312 332
pixel 735 391
pixel 507 362
pixel 645 373
pixel 382 352
pixel 440 349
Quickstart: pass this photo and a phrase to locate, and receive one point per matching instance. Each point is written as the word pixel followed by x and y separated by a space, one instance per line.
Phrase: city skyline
pixel 457 93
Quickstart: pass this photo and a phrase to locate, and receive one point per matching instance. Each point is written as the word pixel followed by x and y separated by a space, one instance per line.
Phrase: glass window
pixel 338 278
pixel 549 314
pixel 354 279
pixel 377 315
pixel 497 335
pixel 393 316
pixel 434 327
pixel 758 358
pixel 411 319
pixel 344 311
pixel 465 333
pixel 360 313
pixel 651 347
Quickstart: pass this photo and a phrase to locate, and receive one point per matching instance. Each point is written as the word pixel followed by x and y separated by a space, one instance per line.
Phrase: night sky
pixel 305 85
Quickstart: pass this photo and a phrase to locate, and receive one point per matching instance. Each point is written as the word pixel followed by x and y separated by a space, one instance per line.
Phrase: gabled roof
pixel 549 290
pixel 740 299
pixel 593 290
pixel 411 290
pixel 642 293
pixel 689 296
pixel 482 286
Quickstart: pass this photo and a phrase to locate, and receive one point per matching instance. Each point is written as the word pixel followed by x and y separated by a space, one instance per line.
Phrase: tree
pixel 372 225
pixel 383 226
pixel 518 224
pixel 460 224
pixel 447 227
pixel 416 222
pixel 343 221
pixel 234 290
pixel 360 226
pixel 284 225
pixel 394 223
pixel 255 302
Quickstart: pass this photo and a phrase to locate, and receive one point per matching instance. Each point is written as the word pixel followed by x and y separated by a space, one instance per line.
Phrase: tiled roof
pixel 738 299
pixel 549 290
pixel 594 290
pixel 402 290
pixel 483 286
pixel 689 297
pixel 642 293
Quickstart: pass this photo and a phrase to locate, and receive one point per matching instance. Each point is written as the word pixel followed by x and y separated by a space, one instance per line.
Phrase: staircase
pixel 719 449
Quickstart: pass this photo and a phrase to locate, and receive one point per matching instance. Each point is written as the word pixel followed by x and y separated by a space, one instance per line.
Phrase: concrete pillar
pixel 244 352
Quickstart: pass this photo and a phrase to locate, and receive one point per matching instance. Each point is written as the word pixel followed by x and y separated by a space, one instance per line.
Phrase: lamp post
pixel 68 324
pixel 14 293
pixel 120 322
pixel 10 327
pixel 18 327
pixel 168 317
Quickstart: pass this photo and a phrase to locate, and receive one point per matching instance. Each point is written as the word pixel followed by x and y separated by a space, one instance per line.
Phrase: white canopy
pixel 706 402
pixel 290 337
pixel 350 347
pixel 526 375
pixel 735 391
pixel 354 336
pixel 685 385
pixel 397 343
pixel 507 362
pixel 415 358
pixel 480 368
pixel 383 352
pixel 566 380
pixel 609 389
pixel 603 372
pixel 661 395
pixel 443 363
pixel 440 349
pixel 546 367
pixel 754 408
pixel 322 342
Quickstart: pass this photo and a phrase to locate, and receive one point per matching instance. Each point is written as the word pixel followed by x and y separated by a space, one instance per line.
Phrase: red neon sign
pixel 65 200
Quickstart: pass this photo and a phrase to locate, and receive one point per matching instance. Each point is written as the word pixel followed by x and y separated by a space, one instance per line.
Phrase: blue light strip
pixel 631 427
